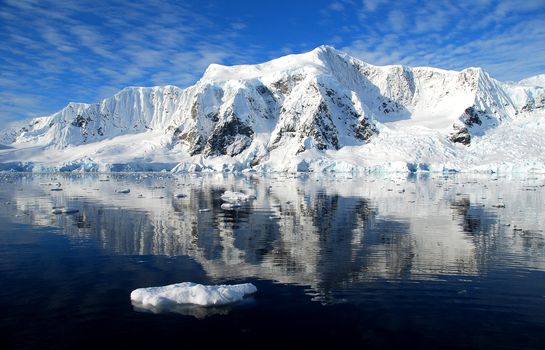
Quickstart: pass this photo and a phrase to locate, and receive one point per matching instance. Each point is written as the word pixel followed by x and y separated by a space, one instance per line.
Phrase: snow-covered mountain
pixel 537 80
pixel 318 111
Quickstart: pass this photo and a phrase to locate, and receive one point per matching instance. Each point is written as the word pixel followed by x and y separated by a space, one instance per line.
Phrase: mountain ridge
pixel 300 112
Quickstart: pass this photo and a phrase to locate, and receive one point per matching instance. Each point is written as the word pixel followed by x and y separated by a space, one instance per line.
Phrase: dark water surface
pixel 376 262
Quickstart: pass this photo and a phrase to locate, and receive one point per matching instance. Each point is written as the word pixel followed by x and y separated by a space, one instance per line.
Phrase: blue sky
pixel 53 51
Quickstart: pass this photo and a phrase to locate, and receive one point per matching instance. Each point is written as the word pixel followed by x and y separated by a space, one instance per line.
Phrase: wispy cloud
pixel 396 19
pixel 371 5
pixel 85 51
pixel 507 38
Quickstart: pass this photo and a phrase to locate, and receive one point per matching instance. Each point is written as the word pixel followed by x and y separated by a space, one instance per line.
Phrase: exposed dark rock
pixel 389 106
pixel 472 116
pixel 229 137
pixel 285 85
pixel 533 105
pixel 364 130
pixel 321 129
pixel 194 110
pixel 214 116
pixel 192 139
pixel 270 102
pixel 460 135
pixel 81 121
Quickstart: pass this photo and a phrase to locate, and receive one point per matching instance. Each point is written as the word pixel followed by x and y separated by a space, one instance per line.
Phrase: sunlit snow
pixel 190 293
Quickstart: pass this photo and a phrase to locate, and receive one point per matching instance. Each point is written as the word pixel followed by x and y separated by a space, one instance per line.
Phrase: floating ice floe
pixel 180 195
pixel 230 206
pixel 203 210
pixel 173 295
pixel 235 197
pixel 125 190
pixel 64 210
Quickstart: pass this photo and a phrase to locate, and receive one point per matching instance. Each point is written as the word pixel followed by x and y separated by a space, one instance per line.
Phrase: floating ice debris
pixel 56 189
pixel 62 210
pixel 204 210
pixel 180 195
pixel 230 206
pixel 190 293
pixel 125 190
pixel 235 197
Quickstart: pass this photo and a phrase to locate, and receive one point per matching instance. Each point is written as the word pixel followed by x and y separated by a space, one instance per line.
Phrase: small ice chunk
pixel 125 190
pixel 190 293
pixel 230 206
pixel 69 210
pixel 203 210
pixel 180 195
pixel 56 189
pixel 235 197
pixel 56 211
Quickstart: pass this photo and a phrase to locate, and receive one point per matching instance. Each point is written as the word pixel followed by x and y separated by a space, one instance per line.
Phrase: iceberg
pixel 230 206
pixel 61 210
pixel 189 293
pixel 235 197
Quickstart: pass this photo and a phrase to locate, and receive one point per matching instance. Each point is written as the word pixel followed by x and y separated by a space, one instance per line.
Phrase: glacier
pixel 319 111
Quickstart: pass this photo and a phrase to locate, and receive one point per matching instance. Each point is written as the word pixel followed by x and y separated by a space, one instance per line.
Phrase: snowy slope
pixel 317 111
pixel 536 80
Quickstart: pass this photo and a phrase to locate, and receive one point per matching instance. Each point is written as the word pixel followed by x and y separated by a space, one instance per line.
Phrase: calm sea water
pixel 376 262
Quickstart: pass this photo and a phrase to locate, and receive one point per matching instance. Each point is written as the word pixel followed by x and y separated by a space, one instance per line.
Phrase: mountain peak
pixel 316 59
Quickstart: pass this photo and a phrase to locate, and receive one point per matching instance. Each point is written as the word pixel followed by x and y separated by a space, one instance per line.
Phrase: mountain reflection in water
pixel 324 232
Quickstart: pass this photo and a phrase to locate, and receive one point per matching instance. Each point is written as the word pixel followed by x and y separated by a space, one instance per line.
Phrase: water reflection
pixel 319 232
pixel 196 311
